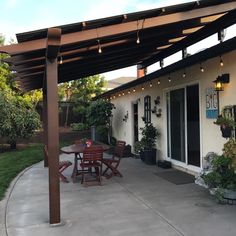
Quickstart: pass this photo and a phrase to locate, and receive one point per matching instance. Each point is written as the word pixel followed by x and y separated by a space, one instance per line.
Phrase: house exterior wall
pixel 210 135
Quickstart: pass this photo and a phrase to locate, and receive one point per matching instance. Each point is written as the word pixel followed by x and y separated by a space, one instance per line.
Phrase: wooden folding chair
pixel 62 166
pixel 113 163
pixel 92 159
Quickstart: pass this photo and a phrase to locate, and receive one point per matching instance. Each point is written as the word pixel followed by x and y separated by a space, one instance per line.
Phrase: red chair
pixel 113 163
pixel 62 166
pixel 91 165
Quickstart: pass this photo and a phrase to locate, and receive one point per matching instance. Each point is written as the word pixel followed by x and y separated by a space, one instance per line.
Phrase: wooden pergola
pixel 44 58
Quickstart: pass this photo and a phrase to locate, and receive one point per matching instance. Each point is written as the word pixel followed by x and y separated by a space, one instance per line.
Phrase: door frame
pixel 175 162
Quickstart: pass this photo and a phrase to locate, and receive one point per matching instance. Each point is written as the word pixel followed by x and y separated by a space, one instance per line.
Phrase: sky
pixel 19 16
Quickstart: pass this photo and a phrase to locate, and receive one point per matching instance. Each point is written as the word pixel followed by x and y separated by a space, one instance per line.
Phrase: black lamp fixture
pixel 220 80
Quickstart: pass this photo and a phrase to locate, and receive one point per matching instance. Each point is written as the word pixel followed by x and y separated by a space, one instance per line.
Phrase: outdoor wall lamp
pixel 220 80
pixel 126 116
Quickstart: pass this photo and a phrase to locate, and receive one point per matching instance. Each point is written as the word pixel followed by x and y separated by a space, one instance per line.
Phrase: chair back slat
pixel 119 149
pixel 93 153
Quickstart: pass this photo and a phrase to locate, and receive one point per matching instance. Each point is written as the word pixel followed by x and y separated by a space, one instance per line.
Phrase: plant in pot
pixel 148 144
pixel 226 125
pixel 221 180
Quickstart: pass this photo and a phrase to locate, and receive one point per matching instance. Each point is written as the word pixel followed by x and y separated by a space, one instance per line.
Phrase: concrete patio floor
pixel 140 203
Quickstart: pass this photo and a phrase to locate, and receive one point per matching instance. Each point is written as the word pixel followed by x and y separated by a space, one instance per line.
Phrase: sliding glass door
pixel 183 128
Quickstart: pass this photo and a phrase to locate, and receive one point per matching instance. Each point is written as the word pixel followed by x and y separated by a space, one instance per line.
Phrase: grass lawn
pixel 13 162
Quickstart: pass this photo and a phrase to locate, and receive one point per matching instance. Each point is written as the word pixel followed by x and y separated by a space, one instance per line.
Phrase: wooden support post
pixel 53 46
pixel 45 126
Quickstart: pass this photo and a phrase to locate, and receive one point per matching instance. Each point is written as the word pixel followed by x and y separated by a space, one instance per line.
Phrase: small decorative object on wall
pixel 126 117
pixel 211 103
pixel 155 109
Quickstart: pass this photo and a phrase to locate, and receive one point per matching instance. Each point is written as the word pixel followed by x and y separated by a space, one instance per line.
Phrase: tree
pixel 99 113
pixel 81 92
pixel 17 120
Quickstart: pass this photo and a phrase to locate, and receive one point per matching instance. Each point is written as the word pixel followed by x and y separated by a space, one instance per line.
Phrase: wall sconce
pixel 155 110
pixel 220 80
pixel 126 117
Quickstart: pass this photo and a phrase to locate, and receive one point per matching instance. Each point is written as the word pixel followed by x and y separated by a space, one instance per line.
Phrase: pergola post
pixel 44 116
pixel 53 46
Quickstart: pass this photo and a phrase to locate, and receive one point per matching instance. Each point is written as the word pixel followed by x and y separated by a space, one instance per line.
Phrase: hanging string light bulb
pixel 158 82
pixel 123 94
pixel 128 91
pixel 138 39
pixel 184 74
pixel 61 60
pixel 99 46
pixel 169 78
pixel 221 62
pixel 150 84
pixel 201 68
pixel 134 90
pixel 142 88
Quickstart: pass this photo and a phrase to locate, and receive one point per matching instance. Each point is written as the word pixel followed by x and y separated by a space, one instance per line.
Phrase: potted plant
pixel 226 125
pixel 148 144
pixel 221 180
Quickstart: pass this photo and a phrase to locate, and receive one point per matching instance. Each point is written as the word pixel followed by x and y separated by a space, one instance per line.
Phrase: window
pixel 147 109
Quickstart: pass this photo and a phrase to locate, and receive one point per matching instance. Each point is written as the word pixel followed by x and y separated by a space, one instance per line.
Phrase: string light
pixel 134 90
pixel 150 84
pixel 221 62
pixel 119 94
pixel 169 78
pixel 61 60
pixel 138 39
pixel 142 88
pixel 158 82
pixel 184 74
pixel 123 94
pixel 201 68
pixel 99 46
pixel 129 92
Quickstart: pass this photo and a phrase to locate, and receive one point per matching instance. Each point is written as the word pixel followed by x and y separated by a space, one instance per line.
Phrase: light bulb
pixel 138 40
pixel 221 62
pixel 158 82
pixel 150 84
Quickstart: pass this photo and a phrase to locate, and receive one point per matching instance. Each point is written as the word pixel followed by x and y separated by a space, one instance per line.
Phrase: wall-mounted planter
pixel 226 131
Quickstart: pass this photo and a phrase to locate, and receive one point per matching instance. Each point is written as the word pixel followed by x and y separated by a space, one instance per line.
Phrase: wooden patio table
pixel 77 150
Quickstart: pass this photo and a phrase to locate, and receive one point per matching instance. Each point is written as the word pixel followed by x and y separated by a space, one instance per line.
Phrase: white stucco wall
pixel 211 139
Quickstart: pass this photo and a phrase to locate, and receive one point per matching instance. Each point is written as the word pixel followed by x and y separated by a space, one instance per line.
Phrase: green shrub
pixel 102 132
pixel 79 126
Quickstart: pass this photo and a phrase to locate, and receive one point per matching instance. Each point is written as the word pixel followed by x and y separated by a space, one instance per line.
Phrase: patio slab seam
pixel 5 201
pixel 178 231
